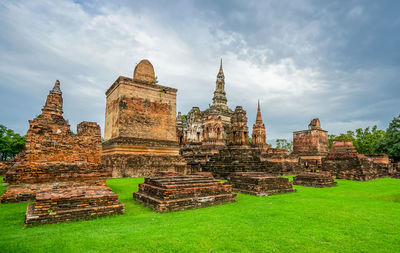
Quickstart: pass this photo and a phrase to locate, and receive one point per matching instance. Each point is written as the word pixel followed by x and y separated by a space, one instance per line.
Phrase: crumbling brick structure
pixel 213 130
pixel 164 194
pixel 344 162
pixel 193 130
pixel 314 179
pixel 5 166
pixel 62 165
pixel 259 183
pixel 140 126
pixel 219 103
pixel 179 129
pixel 240 131
pixel 311 145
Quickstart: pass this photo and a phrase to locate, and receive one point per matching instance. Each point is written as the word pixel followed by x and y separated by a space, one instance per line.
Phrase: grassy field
pixel 354 216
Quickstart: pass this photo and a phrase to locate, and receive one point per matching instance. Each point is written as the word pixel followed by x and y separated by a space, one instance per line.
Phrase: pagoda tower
pixel 258 135
pixel 219 99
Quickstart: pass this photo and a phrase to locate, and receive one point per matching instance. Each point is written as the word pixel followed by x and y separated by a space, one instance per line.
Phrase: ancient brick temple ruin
pixel 164 194
pixel 219 103
pixel 259 183
pixel 311 145
pixel 238 155
pixel 240 131
pixel 140 126
pixel 61 171
pixel 314 179
pixel 344 162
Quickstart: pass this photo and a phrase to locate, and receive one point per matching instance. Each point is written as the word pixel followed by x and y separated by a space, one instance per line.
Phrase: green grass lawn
pixel 353 216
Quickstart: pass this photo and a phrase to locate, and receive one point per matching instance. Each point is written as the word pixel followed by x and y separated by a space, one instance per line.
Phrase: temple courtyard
pixel 350 217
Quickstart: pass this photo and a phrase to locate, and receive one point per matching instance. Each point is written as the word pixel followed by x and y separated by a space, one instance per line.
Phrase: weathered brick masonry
pixel 259 183
pixel 344 162
pixel 140 126
pixel 314 179
pixel 164 194
pixel 60 167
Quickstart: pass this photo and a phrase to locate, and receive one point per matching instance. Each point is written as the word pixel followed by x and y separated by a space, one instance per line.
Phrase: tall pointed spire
pixel 221 71
pixel 258 118
pixel 219 98
pixel 258 135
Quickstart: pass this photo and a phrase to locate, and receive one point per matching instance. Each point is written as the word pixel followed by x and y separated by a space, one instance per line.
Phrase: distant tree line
pixel 10 143
pixel 371 140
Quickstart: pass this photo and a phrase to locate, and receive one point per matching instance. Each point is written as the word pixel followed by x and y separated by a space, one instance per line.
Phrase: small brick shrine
pixel 164 194
pixel 259 183
pixel 314 179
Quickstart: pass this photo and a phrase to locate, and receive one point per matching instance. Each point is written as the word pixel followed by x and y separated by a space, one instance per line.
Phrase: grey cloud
pixel 335 60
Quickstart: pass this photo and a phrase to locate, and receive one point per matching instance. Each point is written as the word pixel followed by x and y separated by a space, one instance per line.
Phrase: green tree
pixel 331 138
pixel 10 143
pixel 348 136
pixel 390 143
pixel 365 139
pixel 284 144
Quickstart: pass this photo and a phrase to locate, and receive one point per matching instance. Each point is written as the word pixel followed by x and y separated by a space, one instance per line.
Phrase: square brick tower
pixel 311 145
pixel 140 126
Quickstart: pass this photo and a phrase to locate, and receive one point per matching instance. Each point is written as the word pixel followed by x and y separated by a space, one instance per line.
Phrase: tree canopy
pixel 10 143
pixel 372 140
pixel 284 144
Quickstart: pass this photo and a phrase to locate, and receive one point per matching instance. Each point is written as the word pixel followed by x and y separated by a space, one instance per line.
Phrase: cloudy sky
pixel 336 60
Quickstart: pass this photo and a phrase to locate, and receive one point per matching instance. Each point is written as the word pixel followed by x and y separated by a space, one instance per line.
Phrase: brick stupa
pixel 259 137
pixel 61 171
pixel 140 126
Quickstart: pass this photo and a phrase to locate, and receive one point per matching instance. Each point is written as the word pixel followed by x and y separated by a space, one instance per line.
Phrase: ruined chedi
pixel 61 171
pixel 259 137
pixel 140 126
pixel 219 103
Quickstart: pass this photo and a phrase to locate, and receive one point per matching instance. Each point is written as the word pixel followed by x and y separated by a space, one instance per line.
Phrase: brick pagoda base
pixel 259 183
pixel 314 179
pixel 68 204
pixel 164 194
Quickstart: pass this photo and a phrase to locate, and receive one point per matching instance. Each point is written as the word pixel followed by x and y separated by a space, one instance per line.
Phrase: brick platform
pixel 205 174
pixel 259 183
pixel 344 162
pixel 67 204
pixel 168 174
pixel 164 194
pixel 314 179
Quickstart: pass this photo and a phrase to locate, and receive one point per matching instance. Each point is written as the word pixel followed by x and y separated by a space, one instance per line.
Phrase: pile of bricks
pixel 5 166
pixel 67 204
pixel 164 194
pixel 259 183
pixel 314 179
